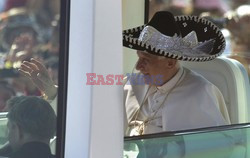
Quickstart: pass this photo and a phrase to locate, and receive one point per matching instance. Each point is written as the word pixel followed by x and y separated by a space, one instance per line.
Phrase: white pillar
pixel 94 124
pixel 107 105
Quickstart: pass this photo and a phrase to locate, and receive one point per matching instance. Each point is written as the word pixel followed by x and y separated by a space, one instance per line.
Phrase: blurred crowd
pixel 232 16
pixel 28 29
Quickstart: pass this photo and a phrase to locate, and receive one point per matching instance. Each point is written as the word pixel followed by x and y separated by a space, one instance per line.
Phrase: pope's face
pixel 151 65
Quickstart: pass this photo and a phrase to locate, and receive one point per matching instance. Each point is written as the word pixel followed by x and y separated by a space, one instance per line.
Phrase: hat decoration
pixel 188 38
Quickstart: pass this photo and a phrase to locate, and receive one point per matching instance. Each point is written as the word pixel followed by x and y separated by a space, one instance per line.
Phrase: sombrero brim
pixel 204 29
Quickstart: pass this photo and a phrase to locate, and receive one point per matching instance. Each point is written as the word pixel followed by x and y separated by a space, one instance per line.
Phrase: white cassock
pixel 187 101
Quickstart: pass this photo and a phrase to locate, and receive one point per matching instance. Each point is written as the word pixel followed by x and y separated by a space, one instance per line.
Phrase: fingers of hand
pixel 25 73
pixel 37 70
pixel 25 68
pixel 31 65
pixel 29 68
pixel 40 66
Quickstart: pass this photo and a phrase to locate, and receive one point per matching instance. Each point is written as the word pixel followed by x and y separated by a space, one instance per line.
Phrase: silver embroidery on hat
pixel 188 45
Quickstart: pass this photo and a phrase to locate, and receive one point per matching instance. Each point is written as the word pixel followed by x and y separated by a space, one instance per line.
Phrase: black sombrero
pixel 188 38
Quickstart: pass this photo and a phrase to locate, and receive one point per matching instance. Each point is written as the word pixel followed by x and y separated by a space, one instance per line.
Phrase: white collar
pixel 168 85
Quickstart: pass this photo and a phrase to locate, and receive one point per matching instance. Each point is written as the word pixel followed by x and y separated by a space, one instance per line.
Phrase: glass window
pixel 29 59
pixel 191 144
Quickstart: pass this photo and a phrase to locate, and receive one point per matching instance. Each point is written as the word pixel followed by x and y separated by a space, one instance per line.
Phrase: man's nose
pixel 139 64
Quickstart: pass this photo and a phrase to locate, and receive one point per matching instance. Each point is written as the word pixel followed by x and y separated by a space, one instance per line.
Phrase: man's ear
pixel 19 130
pixel 171 63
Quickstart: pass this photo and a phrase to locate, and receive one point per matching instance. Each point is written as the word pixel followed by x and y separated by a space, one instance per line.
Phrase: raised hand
pixel 38 73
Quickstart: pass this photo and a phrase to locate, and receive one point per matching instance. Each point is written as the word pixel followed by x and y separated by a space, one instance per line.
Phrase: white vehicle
pixel 90 117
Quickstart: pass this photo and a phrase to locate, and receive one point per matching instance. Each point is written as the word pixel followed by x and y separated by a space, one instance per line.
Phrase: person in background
pixel 14 3
pixel 238 24
pixel 31 125
pixel 236 3
pixel 216 8
pixel 6 92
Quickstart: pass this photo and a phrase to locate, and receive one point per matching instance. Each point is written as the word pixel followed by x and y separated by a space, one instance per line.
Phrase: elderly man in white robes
pixel 165 96
pixel 172 97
